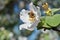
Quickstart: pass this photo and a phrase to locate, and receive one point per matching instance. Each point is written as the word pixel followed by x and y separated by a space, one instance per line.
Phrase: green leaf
pixel 53 20
pixel 55 10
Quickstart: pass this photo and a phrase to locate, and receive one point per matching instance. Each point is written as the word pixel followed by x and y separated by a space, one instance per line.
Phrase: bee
pixel 46 9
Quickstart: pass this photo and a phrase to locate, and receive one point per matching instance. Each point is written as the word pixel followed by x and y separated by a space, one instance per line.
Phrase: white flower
pixel 25 18
pixel 10 34
pixel 22 38
pixel 2 28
